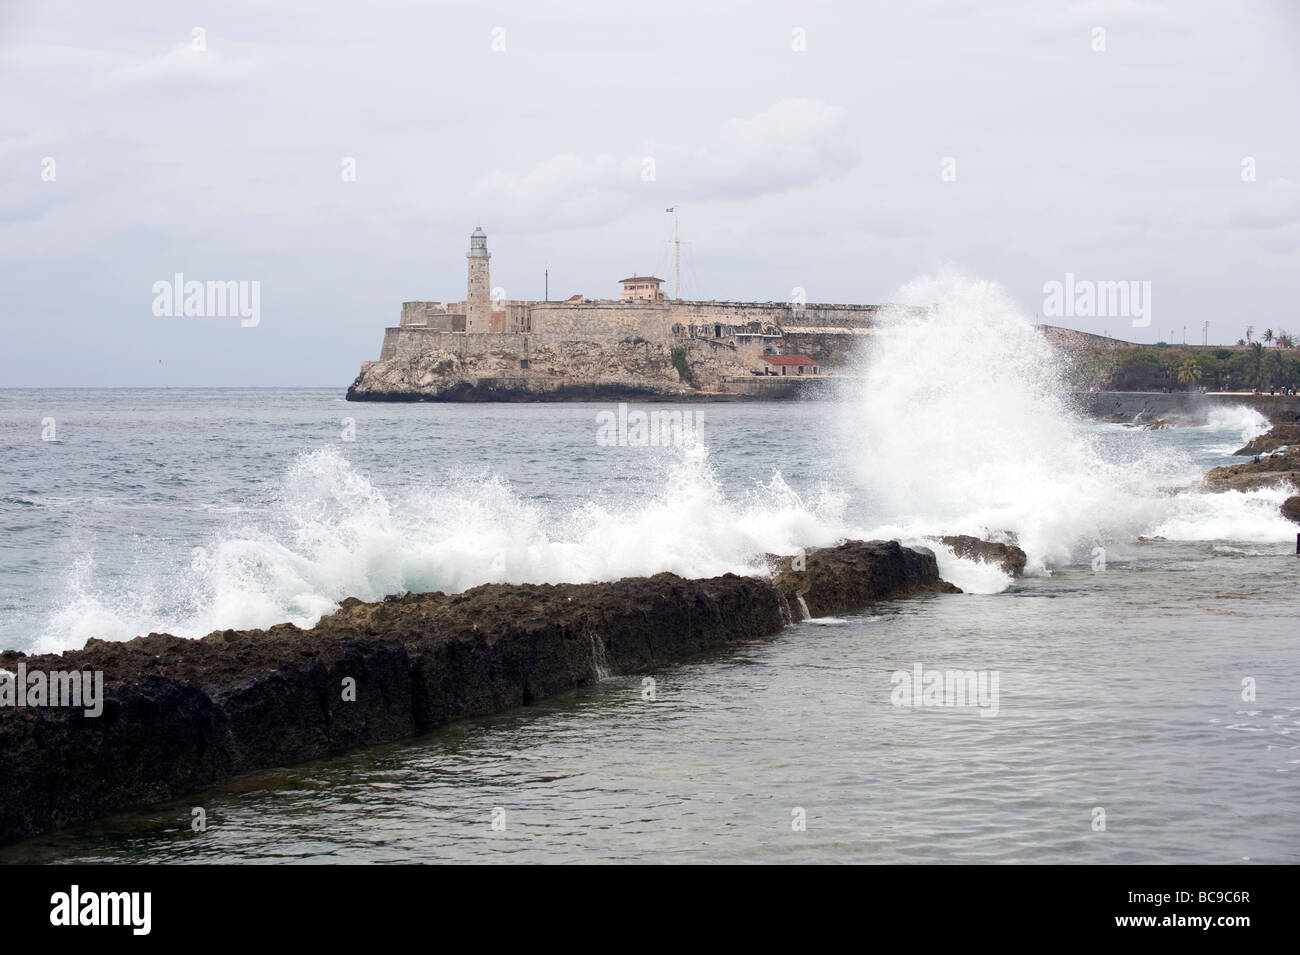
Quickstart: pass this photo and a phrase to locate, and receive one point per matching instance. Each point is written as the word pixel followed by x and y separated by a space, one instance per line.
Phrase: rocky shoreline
pixel 179 715
pixel 1275 462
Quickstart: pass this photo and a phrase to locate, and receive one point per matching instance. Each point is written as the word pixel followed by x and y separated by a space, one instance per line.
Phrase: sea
pixel 1140 693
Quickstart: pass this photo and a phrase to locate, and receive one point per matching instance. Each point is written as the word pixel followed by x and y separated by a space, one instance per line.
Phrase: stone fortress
pixel 642 344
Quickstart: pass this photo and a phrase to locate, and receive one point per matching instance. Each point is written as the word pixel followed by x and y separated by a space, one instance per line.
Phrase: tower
pixel 478 300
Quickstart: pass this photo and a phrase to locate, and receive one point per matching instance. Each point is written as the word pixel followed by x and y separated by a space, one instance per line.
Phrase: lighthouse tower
pixel 478 301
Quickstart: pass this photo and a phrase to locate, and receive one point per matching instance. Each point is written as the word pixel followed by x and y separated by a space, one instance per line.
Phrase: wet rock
pixel 179 714
pixel 1009 557
pixel 1265 470
pixel 1280 435
pixel 1291 508
pixel 840 579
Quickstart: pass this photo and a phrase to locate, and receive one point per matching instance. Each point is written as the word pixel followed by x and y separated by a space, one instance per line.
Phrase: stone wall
pixel 779 313
pixel 825 332
pixel 410 343
pixel 1188 407
pixel 831 347
pixel 605 321
pixel 425 315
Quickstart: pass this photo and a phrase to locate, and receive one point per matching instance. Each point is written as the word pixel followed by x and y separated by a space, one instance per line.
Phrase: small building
pixel 641 288
pixel 787 365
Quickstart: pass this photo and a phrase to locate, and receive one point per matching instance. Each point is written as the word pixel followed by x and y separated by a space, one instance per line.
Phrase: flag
pixel 673 209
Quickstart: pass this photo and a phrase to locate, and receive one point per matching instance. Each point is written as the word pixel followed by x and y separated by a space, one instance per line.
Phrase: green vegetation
pixel 679 362
pixel 1180 367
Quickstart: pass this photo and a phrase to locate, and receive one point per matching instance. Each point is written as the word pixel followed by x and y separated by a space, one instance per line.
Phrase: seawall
pixel 179 715
pixel 1193 407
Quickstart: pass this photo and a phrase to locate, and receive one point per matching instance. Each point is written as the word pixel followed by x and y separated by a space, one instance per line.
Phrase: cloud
pixel 185 64
pixel 566 188
pixel 1272 206
pixel 26 205
pixel 794 143
pixel 60 57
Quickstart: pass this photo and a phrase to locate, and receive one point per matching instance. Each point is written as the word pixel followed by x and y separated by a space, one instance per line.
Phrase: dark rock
pixel 1007 556
pixel 844 578
pixel 1263 471
pixel 179 714
pixel 1280 435
pixel 1291 508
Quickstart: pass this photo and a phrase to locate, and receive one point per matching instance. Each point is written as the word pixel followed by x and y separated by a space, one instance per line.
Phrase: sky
pixel 339 155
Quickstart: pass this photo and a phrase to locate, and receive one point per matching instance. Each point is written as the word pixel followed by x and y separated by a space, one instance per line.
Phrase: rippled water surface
pixel 1120 689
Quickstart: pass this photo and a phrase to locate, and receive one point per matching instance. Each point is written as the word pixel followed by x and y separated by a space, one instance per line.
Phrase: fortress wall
pixel 429 315
pixel 827 333
pixel 607 322
pixel 389 348
pixel 417 313
pixel 830 349
pixel 411 342
pixel 780 313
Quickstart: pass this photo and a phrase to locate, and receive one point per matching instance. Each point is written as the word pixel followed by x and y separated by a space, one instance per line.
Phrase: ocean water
pixel 1146 666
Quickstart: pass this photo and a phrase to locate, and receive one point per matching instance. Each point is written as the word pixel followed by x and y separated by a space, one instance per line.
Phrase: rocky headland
pixel 629 370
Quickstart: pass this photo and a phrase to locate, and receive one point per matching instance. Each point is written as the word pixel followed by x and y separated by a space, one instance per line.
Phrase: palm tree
pixel 1189 371
pixel 1268 336
pixel 1284 339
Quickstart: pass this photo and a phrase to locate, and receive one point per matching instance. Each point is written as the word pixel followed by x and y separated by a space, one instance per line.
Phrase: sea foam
pixel 962 425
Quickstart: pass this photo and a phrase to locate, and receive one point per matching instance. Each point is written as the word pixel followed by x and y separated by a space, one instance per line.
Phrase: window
pixel 523 363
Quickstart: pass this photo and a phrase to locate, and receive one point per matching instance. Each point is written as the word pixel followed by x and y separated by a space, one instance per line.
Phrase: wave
pixel 334 534
pixel 1236 419
pixel 962 425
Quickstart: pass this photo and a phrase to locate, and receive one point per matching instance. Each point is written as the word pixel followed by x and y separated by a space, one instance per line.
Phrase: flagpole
pixel 677 260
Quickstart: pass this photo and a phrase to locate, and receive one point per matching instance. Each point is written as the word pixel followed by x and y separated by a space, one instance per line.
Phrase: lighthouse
pixel 478 300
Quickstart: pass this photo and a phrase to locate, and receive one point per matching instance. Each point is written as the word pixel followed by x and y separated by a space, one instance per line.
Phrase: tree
pixel 1257 363
pixel 1284 339
pixel 1268 336
pixel 1189 372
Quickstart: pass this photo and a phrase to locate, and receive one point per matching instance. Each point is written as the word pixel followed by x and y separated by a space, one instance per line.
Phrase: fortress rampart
pixel 688 345
pixel 750 329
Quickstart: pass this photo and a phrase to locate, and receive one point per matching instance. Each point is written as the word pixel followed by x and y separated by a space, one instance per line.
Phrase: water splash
pixel 333 534
pixel 963 424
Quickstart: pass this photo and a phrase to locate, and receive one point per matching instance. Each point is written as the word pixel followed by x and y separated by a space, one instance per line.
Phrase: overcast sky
pixel 819 167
